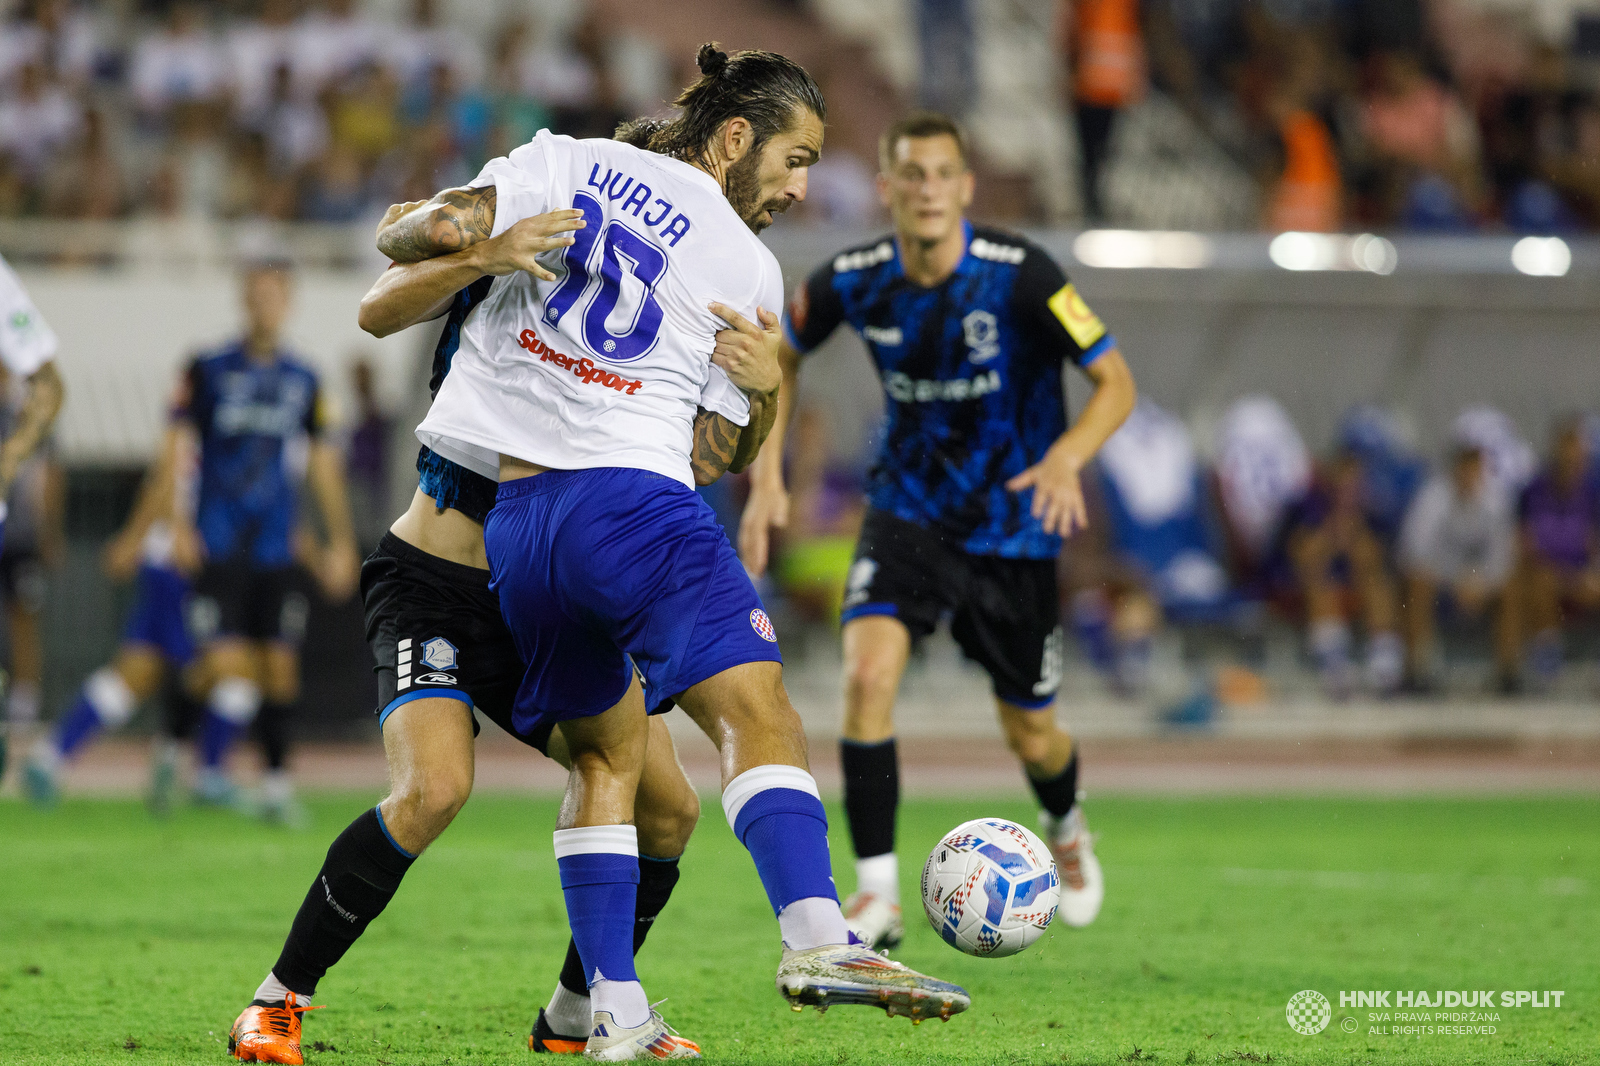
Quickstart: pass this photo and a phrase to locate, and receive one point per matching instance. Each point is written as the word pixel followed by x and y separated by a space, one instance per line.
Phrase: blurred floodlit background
pixel 1343 243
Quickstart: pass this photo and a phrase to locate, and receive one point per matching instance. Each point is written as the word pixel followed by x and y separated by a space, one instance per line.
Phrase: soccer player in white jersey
pixel 582 397
pixel 28 350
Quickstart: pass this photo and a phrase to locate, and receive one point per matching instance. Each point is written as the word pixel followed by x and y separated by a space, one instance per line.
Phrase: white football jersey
pixel 607 365
pixel 26 340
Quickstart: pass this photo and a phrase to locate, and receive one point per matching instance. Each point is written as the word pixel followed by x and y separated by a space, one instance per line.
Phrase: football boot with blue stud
pixel 854 974
pixel 654 1039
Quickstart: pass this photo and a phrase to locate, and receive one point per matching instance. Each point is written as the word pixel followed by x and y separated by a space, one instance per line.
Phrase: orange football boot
pixel 269 1034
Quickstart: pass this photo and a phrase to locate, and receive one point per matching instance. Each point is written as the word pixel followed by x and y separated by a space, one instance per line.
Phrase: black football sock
pixel 1057 794
pixel 180 712
pixel 657 877
pixel 871 794
pixel 272 729
pixel 358 879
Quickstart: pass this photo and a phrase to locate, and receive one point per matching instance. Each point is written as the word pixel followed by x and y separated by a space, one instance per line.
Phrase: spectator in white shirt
pixel 427 43
pixel 1457 547
pixel 180 64
pixel 333 42
pixel 256 49
pixel 37 121
pixel 51 33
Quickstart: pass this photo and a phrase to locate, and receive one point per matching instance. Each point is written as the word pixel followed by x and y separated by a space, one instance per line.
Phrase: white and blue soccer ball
pixel 990 888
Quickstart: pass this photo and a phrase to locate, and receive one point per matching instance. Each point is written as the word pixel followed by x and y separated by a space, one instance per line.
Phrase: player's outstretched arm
pixel 154 503
pixel 452 221
pixel 46 393
pixel 340 565
pixel 768 506
pixel 1057 492
pixel 409 293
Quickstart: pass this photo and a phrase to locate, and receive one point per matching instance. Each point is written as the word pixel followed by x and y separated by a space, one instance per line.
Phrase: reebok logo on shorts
pixel 762 625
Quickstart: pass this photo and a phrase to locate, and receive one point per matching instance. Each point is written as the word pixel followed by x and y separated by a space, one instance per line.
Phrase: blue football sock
pixel 600 880
pixel 77 726
pixel 217 735
pixel 775 813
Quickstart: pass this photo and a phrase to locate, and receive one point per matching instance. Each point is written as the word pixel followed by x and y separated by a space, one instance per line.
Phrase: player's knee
pixel 1029 742
pixel 429 800
pixel 871 679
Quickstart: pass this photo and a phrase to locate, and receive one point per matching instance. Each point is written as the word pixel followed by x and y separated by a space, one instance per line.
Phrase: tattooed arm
pixel 452 221
pixel 723 446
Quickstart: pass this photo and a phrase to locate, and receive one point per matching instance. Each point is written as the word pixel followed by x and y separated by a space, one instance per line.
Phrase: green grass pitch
pixel 127 941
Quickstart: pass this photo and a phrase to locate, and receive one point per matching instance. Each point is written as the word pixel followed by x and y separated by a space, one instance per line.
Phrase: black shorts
pixel 1005 613
pixel 235 599
pixel 435 630
pixel 23 578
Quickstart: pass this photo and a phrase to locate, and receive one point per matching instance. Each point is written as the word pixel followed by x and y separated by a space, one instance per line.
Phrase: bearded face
pixel 755 204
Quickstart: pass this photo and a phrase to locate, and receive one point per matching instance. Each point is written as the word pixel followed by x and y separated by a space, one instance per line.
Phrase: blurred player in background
pixel 156 647
pixel 35 543
pixel 247 409
pixel 27 351
pixel 977 483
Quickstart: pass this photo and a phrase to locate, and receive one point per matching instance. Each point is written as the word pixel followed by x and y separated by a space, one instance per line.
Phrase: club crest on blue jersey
pixel 763 625
pixel 438 654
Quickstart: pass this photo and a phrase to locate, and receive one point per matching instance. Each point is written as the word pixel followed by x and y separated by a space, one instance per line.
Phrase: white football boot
pixel 653 1039
pixel 875 920
pixel 855 974
pixel 1083 886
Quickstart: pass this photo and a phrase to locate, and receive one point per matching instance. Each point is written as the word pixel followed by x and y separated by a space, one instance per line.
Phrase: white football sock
pixel 813 922
pixel 880 876
pixel 277 788
pixel 273 990
pixel 626 1001
pixel 22 705
pixel 569 1013
pixel 46 755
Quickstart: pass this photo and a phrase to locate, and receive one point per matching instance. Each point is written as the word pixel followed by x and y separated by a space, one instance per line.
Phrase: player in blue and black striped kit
pixel 975 485
pixel 247 410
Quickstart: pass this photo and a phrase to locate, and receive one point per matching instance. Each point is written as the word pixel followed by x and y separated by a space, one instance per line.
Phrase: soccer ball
pixel 990 887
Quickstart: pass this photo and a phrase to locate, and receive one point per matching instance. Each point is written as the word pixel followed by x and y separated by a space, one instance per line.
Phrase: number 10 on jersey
pixel 621 251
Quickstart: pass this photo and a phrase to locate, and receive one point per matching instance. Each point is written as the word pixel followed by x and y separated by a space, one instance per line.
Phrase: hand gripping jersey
pixel 607 366
pixel 971 370
pixel 248 415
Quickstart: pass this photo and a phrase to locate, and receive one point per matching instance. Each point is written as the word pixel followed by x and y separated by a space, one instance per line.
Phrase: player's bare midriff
pixel 447 534
pixel 512 468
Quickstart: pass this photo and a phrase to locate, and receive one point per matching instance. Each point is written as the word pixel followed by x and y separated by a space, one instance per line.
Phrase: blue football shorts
pixel 604 571
pixel 158 614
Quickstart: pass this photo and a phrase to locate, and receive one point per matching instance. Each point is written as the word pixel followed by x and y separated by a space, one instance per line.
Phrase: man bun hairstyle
pixel 711 60
pixel 921 124
pixel 765 89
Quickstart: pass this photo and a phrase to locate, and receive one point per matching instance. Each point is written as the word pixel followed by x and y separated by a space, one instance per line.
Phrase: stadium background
pixel 1435 164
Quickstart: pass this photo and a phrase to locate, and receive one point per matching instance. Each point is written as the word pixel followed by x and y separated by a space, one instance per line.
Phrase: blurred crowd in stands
pixel 1378 558
pixel 286 109
pixel 1433 115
